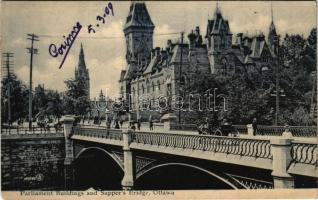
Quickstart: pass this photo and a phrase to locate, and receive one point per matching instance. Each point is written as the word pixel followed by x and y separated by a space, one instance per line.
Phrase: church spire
pixel 81 60
pixel 272 11
pixel 272 34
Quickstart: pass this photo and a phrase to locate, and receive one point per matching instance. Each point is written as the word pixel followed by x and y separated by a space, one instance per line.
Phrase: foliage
pixel 250 94
pixel 76 100
pixel 19 99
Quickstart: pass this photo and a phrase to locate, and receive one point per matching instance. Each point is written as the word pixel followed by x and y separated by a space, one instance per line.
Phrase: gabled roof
pixel 152 65
pixel 218 24
pixel 176 52
pixel 122 75
pixel 257 46
pixel 138 16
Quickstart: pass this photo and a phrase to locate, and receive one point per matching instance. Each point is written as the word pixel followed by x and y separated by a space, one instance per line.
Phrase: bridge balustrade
pixel 304 153
pixel 99 132
pixel 25 130
pixel 230 145
pixel 297 131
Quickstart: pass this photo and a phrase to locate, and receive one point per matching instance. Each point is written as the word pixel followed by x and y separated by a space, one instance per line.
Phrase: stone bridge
pixel 115 159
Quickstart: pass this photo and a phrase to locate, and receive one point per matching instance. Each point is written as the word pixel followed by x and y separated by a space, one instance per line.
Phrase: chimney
pixel 197 31
pixel 153 51
pixel 239 39
pixel 157 50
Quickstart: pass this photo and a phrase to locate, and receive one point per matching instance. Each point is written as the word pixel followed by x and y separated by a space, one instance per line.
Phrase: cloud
pixel 19 42
pixel 51 76
pixel 160 39
pixel 105 76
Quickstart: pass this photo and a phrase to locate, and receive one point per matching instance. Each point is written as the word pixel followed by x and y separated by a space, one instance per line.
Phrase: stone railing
pixel 242 129
pixel 230 145
pixel 297 131
pixel 187 127
pixel 304 153
pixel 16 130
pixel 100 132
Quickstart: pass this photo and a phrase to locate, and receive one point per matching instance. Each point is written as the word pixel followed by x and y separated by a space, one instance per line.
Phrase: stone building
pixel 153 73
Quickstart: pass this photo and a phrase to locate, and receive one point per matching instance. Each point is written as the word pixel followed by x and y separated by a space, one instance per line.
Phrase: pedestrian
pixel 121 122
pixel 150 123
pixel 116 124
pixel 108 123
pixel 133 127
pixel 138 125
pixel 254 125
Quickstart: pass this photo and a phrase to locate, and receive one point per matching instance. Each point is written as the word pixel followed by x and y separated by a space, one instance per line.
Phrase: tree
pixel 19 99
pixel 76 99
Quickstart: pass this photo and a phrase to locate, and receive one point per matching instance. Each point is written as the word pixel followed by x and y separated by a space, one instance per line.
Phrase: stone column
pixel 169 120
pixel 250 130
pixel 281 160
pixel 129 165
pixel 68 120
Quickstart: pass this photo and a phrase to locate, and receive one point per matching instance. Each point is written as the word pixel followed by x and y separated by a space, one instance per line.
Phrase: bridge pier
pixel 281 159
pixel 129 165
pixel 68 121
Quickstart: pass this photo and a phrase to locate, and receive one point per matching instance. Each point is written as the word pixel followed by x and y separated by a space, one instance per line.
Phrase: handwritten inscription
pixel 65 48
pixel 102 18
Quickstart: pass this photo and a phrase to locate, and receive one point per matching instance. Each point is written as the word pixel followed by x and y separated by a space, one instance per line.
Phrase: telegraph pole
pixel 180 73
pixel 276 49
pixel 8 65
pixel 32 51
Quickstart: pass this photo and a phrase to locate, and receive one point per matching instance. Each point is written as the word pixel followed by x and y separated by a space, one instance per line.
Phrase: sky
pixel 105 50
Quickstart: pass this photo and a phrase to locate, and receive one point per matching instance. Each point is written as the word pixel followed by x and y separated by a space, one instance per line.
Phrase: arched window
pixel 143 89
pixel 148 85
pixel 153 86
pixel 183 80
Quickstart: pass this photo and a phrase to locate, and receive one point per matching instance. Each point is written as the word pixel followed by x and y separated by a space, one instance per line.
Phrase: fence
pixel 297 131
pixel 100 132
pixel 25 130
pixel 238 146
pixel 304 153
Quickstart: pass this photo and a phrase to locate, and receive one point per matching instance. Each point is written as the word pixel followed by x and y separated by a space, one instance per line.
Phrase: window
pixel 169 89
pixel 153 86
pixel 183 80
pixel 158 83
pixel 143 89
pixel 224 67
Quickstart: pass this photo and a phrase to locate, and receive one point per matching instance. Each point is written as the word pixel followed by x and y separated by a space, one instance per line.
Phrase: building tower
pixel 218 39
pixel 82 72
pixel 138 33
pixel 272 34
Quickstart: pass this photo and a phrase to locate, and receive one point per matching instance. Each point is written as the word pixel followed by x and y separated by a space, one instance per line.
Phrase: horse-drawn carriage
pixel 225 129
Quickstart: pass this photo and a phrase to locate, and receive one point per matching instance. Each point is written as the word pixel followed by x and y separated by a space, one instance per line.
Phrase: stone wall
pixel 32 163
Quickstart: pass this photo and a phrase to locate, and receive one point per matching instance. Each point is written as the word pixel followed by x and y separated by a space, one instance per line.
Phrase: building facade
pixel 154 73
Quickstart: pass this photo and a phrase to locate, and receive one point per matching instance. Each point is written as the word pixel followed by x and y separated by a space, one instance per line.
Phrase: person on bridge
pixel 254 125
pixel 150 123
pixel 138 125
pixel 108 123
pixel 116 124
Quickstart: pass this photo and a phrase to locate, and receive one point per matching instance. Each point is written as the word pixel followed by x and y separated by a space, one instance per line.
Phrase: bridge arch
pixel 155 165
pixel 96 168
pixel 116 159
